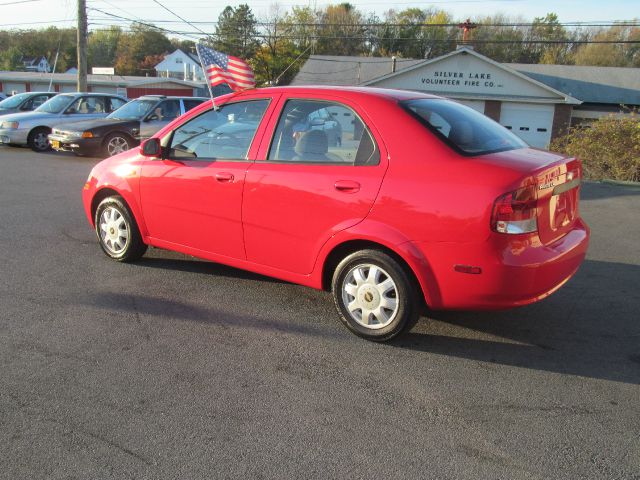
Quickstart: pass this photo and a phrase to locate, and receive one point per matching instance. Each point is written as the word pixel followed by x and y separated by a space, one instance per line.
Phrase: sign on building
pixel 103 71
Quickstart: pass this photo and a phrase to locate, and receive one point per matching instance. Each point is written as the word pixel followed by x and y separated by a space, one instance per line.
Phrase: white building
pixel 536 102
pixel 182 65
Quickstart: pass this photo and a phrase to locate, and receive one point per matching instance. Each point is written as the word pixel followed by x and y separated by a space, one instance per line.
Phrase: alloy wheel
pixel 370 295
pixel 40 141
pixel 114 230
pixel 117 145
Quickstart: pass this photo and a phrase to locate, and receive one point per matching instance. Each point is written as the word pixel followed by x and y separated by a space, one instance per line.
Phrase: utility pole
pixel 82 45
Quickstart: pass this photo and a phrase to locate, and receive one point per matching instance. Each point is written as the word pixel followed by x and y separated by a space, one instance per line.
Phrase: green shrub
pixel 609 148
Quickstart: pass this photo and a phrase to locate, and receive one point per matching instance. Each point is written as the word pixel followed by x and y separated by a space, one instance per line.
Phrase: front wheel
pixel 117 231
pixel 38 140
pixel 374 295
pixel 116 143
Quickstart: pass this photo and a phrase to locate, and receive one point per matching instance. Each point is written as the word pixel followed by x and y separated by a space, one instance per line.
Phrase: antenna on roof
pixel 275 82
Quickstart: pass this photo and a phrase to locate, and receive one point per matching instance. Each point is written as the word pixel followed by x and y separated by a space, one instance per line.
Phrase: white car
pixel 32 128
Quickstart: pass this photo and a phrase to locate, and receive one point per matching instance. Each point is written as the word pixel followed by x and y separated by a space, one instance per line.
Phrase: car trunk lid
pixel 556 181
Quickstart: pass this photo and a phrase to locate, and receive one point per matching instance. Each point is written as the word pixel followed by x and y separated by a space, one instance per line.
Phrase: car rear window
pixel 461 127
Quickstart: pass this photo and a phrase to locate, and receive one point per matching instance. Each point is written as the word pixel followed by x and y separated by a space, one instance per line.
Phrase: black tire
pixel 113 213
pixel 38 141
pixel 405 293
pixel 116 143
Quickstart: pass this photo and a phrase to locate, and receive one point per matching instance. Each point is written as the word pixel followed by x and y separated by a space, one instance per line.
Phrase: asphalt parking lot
pixel 175 368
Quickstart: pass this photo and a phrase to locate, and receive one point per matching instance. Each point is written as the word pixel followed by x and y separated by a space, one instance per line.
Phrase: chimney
pixel 393 64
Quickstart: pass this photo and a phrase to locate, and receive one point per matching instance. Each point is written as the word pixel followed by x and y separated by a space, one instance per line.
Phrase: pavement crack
pixel 81 431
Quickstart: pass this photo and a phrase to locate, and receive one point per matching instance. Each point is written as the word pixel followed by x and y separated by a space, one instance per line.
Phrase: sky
pixel 24 14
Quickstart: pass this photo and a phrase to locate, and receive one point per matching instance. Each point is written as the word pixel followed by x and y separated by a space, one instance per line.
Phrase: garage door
pixel 531 122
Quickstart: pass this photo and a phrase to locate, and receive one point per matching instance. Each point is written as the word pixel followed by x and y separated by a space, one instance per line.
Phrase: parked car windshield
pixel 134 110
pixel 55 104
pixel 463 128
pixel 13 102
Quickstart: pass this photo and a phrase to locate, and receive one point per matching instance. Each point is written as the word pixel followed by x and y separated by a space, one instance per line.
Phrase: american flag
pixel 221 68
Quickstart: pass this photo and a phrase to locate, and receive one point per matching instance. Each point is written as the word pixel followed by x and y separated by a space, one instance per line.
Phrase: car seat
pixel 312 146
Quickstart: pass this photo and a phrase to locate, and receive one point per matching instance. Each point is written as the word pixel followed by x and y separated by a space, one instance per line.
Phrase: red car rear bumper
pixel 515 269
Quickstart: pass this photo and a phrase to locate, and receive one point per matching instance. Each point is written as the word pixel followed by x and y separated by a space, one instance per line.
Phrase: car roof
pixel 92 94
pixel 165 97
pixel 386 93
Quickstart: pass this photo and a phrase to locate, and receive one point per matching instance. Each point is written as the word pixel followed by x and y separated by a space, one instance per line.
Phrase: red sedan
pixel 423 201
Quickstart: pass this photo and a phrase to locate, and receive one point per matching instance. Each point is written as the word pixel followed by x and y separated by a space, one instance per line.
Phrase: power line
pixel 185 21
pixel 407 25
pixel 20 1
pixel 431 41
pixel 35 23
pixel 150 25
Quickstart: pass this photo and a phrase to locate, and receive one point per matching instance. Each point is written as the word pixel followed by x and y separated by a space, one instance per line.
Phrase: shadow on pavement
pixel 601 190
pixel 589 328
pixel 202 266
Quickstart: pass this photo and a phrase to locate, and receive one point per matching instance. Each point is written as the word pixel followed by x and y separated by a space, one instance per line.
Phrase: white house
pixel 182 65
pixel 36 64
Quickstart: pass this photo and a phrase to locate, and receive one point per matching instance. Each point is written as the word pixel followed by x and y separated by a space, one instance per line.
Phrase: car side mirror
pixel 316 122
pixel 70 111
pixel 151 148
pixel 152 117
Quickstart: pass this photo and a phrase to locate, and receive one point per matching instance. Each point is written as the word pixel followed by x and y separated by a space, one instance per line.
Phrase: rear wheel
pixel 116 143
pixel 117 231
pixel 38 141
pixel 374 295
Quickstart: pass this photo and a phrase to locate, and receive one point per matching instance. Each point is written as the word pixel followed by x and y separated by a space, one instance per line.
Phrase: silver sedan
pixel 32 128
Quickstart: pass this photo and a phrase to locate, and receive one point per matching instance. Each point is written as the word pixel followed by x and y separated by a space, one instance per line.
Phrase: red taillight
pixel 516 212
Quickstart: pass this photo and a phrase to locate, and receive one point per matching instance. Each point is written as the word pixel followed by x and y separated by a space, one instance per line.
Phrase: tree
pixel 549 29
pixel 611 54
pixel 300 26
pixel 236 32
pixel 10 59
pixel 497 28
pixel 135 46
pixel 405 33
pixel 102 47
pixel 275 59
pixel 186 46
pixel 340 32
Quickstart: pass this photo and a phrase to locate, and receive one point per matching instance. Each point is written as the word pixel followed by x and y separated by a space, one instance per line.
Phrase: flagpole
pixel 206 79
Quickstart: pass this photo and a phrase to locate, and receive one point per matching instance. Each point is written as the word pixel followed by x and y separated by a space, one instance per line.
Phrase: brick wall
pixel 561 120
pixel 492 109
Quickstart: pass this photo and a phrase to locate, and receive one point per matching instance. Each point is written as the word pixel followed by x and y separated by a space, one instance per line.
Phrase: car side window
pixel 166 111
pixel 116 103
pixel 311 131
pixel 38 100
pixel 224 133
pixel 87 105
pixel 189 104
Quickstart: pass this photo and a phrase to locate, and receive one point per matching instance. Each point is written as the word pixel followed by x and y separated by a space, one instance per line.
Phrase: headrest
pixel 313 142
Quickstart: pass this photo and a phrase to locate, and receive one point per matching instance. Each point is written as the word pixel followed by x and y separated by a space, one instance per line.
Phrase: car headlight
pixel 10 124
pixel 85 134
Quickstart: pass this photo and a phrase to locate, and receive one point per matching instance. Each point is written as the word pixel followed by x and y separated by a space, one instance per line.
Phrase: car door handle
pixel 347 186
pixel 224 177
